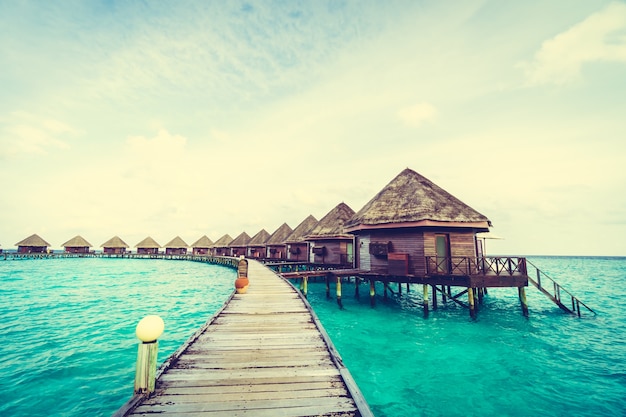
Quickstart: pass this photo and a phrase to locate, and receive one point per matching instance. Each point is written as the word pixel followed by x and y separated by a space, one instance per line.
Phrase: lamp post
pixel 148 331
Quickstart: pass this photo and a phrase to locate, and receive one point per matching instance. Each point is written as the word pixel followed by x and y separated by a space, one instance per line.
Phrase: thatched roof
pixel 260 239
pixel 411 198
pixel 33 240
pixel 114 242
pixel 332 224
pixel 223 242
pixel 77 242
pixel 302 230
pixel 241 240
pixel 148 243
pixel 279 235
pixel 203 242
pixel 176 243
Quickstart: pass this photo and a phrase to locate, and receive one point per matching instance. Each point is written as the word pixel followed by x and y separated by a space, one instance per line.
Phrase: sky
pixel 190 118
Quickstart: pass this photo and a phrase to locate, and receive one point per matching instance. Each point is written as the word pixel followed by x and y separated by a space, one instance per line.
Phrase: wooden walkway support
pixel 264 354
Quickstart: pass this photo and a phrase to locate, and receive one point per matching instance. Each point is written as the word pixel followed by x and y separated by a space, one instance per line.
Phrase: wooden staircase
pixel 555 292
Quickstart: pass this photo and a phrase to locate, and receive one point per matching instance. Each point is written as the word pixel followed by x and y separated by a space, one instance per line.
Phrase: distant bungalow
pixel 297 247
pixel 239 244
pixel 202 246
pixel 32 244
pixel 413 224
pixel 330 243
pixel 220 247
pixel 256 246
pixel 276 248
pixel 114 246
pixel 77 244
pixel 148 246
pixel 176 246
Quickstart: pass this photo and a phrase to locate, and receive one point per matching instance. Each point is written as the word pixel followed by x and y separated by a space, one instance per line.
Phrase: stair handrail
pixel 558 289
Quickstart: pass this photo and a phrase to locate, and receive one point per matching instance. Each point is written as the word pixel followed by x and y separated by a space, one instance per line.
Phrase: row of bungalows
pixel 411 226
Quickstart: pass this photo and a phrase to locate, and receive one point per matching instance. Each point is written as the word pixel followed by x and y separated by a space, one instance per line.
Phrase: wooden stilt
pixel 523 301
pixel 480 296
pixel 425 302
pixel 357 281
pixel 327 286
pixel 408 289
pixel 399 288
pixel 339 293
pixel 372 292
pixel 443 294
pixel 470 299
pixel 434 288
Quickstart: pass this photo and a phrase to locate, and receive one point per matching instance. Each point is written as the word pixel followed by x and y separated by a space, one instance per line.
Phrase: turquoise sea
pixel 68 346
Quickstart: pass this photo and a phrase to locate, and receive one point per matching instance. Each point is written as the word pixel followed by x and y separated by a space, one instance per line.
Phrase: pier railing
pixel 457 265
pixel 559 295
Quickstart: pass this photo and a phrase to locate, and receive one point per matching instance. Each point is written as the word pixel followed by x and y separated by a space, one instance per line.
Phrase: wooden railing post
pixel 148 330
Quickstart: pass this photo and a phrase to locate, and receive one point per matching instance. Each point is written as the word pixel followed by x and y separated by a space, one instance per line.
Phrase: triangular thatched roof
pixel 260 238
pixel 410 198
pixel 241 240
pixel 114 242
pixel 223 242
pixel 302 230
pixel 176 243
pixel 77 242
pixel 279 235
pixel 33 240
pixel 203 242
pixel 148 243
pixel 332 224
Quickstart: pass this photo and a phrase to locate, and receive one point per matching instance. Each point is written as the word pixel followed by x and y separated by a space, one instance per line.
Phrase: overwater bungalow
pixel 221 246
pixel 256 245
pixel 77 244
pixel 239 244
pixel 114 246
pixel 176 246
pixel 148 246
pixel 414 227
pixel 32 244
pixel 202 246
pixel 329 240
pixel 276 248
pixel 297 247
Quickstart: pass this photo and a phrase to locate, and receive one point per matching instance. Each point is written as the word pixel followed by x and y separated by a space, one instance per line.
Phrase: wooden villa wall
pixel 276 251
pixel 238 250
pixel 147 251
pixel 221 251
pixel 175 251
pixel 256 252
pixel 409 242
pixel 114 251
pixel 200 251
pixel 31 249
pixel 417 243
pixel 334 254
pixel 77 249
pixel 303 251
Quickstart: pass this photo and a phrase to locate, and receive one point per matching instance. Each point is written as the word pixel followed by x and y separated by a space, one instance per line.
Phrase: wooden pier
pixel 264 354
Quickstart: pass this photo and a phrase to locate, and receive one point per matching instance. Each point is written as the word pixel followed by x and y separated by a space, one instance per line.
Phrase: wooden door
pixel 442 248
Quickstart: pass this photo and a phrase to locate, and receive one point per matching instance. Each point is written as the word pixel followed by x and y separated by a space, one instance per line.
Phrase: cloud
pixel 600 37
pixel 415 115
pixel 25 133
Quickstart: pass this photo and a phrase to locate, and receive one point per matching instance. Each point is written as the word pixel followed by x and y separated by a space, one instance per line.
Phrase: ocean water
pixel 69 348
pixel 68 327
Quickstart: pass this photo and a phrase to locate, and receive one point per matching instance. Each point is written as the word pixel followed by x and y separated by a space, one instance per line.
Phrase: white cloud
pixel 600 37
pixel 416 115
pixel 25 133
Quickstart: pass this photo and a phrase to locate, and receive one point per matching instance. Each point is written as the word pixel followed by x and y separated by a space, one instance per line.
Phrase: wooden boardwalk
pixel 263 354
